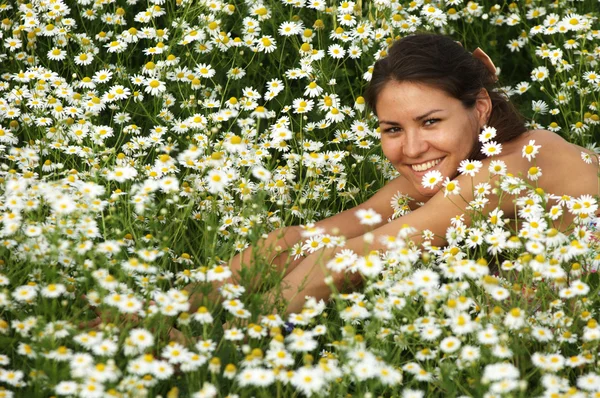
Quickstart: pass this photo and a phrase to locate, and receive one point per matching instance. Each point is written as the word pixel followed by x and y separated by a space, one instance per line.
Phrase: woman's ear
pixel 483 105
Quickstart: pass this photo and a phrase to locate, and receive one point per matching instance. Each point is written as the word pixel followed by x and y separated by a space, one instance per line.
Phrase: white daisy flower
pixel 368 216
pixel 431 179
pixel 530 150
pixel 450 344
pixel 487 134
pixel 451 187
pixel 469 167
pixel 491 148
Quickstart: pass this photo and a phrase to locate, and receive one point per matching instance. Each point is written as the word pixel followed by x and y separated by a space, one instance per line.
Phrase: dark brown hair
pixel 440 62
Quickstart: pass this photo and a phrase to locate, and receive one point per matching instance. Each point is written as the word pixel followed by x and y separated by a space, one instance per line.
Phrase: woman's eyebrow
pixel 423 116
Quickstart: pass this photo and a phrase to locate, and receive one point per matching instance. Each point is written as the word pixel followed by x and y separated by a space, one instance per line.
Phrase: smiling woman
pixel 441 117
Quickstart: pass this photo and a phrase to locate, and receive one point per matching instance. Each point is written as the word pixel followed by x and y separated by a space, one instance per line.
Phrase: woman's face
pixel 424 129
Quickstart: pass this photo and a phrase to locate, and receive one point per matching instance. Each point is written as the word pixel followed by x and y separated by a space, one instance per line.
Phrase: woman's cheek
pixel 391 151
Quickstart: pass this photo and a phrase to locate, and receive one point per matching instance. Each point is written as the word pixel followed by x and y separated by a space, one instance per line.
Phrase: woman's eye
pixel 430 120
pixel 393 130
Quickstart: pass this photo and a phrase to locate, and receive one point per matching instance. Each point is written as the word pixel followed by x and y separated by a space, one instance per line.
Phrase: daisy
pixel 542 334
pixel 522 87
pixel 410 393
pixel 539 107
pixel 53 290
pixel 539 74
pixel 579 127
pixel 450 344
pixel 25 293
pixel 66 388
pixel 154 87
pixel 122 174
pixel 469 167
pixel 236 73
pixel 589 382
pixel 116 46
pixel 302 105
pixel 515 45
pixel 336 51
pixel 491 148
pixel 497 167
pixel 162 370
pixel 309 380
pixel 266 44
pixel 56 54
pixel 487 134
pixel 451 187
pixel 431 179
pixel 514 319
pixel 313 90
pixel 534 173
pixel 334 115
pixel 141 338
pixel 205 70
pixel 120 92
pixel 425 279
pixel 102 76
pixel 370 266
pixel 368 216
pixel 233 334
pixel 290 28
pixel 530 150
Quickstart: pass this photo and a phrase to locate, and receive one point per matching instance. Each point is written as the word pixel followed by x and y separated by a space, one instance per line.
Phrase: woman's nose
pixel 414 145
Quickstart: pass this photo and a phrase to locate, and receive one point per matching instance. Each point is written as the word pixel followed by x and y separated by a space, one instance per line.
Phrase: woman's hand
pixel 177 336
pixel 108 317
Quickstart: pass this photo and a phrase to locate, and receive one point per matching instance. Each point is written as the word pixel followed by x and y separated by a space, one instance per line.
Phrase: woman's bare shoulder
pixel 563 168
pixel 550 145
pixel 540 137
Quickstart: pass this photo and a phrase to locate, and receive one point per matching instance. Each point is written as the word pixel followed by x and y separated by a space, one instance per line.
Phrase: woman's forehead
pixel 412 101
pixel 404 88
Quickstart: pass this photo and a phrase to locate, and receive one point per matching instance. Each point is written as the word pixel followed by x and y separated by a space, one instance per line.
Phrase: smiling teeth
pixel 425 166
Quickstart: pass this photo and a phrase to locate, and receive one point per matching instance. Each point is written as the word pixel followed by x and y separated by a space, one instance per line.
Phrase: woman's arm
pixel 347 224
pixel 308 278
pixel 275 247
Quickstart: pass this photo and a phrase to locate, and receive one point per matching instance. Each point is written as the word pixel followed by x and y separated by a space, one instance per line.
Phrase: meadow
pixel 143 144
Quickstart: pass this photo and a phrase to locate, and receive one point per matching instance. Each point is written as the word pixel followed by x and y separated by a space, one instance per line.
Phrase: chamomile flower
pixel 368 216
pixel 289 28
pixel 531 150
pixel 539 106
pixel 301 105
pixel 57 54
pixel 451 187
pixel 205 70
pixel 154 87
pixel 534 173
pixel 497 167
pixel 266 44
pixel 431 179
pixel 487 134
pixel 450 344
pixel 313 90
pixel 539 74
pixel 522 87
pixel 491 148
pixel 469 167
pixel 336 51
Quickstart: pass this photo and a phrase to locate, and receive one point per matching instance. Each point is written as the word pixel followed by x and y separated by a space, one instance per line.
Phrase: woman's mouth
pixel 420 169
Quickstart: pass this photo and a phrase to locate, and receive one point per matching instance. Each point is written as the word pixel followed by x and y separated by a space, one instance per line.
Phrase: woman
pixel 432 99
